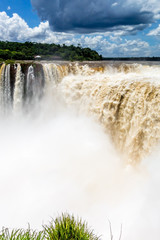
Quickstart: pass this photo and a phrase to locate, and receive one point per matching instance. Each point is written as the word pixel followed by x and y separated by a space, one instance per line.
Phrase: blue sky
pixel 23 8
pixel 114 28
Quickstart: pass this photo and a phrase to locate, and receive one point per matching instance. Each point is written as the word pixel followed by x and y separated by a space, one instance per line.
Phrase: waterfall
pixel 50 73
pixel 124 98
pixel 7 87
pixel 30 82
pixel 18 89
pixel 2 77
pixel 91 150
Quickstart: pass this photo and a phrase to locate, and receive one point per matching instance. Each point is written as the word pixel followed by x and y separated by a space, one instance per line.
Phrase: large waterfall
pixel 124 98
pixel 81 137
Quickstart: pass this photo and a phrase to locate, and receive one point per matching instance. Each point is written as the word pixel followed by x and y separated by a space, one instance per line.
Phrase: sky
pixel 114 28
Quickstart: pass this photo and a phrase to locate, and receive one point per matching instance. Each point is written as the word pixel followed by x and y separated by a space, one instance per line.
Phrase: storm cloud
pixel 87 16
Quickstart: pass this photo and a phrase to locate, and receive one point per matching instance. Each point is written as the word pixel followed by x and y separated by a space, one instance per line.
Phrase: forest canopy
pixel 31 50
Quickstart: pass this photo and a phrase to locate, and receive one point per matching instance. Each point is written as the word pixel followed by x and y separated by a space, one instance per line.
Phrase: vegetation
pixel 67 228
pixel 29 50
pixel 62 228
pixel 21 234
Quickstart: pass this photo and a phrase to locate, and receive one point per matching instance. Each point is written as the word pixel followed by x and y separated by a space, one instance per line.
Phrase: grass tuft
pixel 64 227
pixel 21 234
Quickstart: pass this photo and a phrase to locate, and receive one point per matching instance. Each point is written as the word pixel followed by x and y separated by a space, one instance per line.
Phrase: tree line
pixel 29 50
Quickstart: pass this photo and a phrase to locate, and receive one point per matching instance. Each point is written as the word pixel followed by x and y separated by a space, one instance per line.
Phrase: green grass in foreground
pixel 64 227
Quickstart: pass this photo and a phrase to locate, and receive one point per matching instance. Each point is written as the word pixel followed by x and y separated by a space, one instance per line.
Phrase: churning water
pixel 81 138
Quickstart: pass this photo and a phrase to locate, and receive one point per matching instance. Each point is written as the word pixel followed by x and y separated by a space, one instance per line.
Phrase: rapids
pixel 81 138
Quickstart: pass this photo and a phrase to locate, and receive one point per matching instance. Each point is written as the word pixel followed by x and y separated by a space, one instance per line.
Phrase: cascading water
pixel 123 97
pixel 18 89
pixel 5 88
pixel 78 151
pixel 31 83
pixel 2 70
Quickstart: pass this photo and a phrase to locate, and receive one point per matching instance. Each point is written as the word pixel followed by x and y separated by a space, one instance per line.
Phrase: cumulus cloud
pixel 16 29
pixel 111 44
pixel 86 16
pixel 116 46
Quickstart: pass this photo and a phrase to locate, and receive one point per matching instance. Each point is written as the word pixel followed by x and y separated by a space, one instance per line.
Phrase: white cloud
pixel 123 48
pixel 155 32
pixel 9 8
pixel 114 38
pixel 127 48
pixel 150 5
pixel 114 46
pixel 111 44
pixel 114 4
pixel 16 29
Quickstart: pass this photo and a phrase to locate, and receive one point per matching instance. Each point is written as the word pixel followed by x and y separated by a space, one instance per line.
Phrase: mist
pixel 66 163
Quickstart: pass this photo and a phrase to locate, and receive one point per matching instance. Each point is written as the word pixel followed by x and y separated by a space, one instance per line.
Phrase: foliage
pixel 28 50
pixel 21 234
pixel 67 228
pixel 9 61
pixel 62 228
